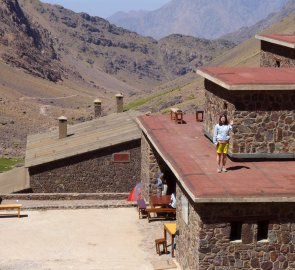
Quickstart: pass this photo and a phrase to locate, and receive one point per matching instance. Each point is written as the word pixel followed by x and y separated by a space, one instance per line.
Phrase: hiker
pixel 221 140
pixel 159 184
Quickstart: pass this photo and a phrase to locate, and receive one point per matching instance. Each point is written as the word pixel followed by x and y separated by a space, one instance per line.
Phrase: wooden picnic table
pixel 171 229
pixel 160 200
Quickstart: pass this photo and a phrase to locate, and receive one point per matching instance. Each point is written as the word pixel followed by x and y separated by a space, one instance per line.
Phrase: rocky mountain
pixel 55 43
pixel 25 44
pixel 245 33
pixel 55 62
pixel 199 18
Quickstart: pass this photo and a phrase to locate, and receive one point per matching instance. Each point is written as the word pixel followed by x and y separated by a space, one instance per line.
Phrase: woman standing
pixel 221 140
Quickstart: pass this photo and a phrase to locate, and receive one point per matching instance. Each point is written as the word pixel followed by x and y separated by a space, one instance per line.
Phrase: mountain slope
pixel 187 92
pixel 23 44
pixel 55 62
pixel 200 18
pixel 248 32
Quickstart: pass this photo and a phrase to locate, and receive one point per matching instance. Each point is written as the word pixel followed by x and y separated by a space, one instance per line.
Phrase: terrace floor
pixel 192 158
pixel 90 239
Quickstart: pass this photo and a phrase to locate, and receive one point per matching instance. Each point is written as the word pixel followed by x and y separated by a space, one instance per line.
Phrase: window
pixel 277 64
pixel 262 230
pixel 225 105
pixel 235 231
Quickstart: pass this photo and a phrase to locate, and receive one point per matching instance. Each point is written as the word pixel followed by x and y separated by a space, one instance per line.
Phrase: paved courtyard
pixel 79 239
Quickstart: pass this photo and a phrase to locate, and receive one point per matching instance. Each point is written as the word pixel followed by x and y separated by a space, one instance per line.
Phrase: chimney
pixel 62 125
pixel 97 108
pixel 119 98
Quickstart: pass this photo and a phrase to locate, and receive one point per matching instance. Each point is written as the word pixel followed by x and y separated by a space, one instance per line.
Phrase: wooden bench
pixel 141 207
pixel 177 115
pixel 159 210
pixel 11 206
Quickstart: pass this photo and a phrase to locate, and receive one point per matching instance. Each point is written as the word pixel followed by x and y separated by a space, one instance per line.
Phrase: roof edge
pixel 245 200
pixel 179 179
pixel 275 41
pixel 244 87
pixel 213 79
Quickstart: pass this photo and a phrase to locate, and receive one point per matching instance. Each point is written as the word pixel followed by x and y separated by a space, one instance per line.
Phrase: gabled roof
pixel 82 138
pixel 192 158
pixel 283 40
pixel 245 78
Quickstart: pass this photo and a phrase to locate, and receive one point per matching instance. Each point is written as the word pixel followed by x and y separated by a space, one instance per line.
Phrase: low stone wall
pixel 204 243
pixel 264 121
pixel 273 55
pixel 94 172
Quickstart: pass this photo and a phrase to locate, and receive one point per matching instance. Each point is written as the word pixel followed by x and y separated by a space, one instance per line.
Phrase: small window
pixel 262 230
pixel 235 231
pixel 278 64
pixel 225 105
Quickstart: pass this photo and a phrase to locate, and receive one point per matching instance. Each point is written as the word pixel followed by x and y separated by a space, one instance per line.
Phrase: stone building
pixel 242 219
pixel 98 156
pixel 277 50
pixel 260 101
pixel 245 218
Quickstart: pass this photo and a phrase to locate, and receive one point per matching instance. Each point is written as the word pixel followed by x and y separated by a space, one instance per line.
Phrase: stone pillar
pixel 119 99
pixel 97 108
pixel 62 125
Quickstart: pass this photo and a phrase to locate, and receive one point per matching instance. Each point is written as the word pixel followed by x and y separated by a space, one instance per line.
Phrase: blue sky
pixel 106 8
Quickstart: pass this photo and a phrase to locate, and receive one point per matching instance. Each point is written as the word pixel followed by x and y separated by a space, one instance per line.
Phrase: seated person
pixel 159 184
pixel 172 203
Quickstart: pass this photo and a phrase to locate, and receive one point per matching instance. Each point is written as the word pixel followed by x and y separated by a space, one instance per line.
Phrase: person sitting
pixel 159 184
pixel 172 203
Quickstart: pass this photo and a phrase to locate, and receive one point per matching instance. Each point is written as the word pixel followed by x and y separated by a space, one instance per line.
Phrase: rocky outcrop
pixel 25 44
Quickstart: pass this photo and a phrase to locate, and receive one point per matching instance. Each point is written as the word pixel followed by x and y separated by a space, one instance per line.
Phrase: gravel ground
pixel 112 237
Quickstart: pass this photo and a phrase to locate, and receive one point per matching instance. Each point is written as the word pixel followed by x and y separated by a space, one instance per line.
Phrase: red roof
pixel 245 78
pixel 192 158
pixel 284 40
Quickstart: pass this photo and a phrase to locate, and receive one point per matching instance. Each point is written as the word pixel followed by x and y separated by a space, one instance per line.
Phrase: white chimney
pixel 97 108
pixel 119 98
pixel 62 125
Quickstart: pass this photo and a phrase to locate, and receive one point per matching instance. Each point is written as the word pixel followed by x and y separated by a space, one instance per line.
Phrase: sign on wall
pixel 121 157
pixel 184 208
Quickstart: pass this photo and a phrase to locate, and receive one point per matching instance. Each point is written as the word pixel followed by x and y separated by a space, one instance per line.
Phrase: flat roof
pixel 85 137
pixel 283 40
pixel 192 158
pixel 245 78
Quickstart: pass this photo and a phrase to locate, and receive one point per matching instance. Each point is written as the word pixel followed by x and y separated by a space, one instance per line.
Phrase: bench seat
pixel 11 206
pixel 159 210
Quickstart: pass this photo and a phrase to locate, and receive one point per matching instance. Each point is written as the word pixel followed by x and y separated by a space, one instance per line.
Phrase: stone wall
pixel 204 243
pixel 264 121
pixel 273 55
pixel 187 242
pixel 92 172
pixel 151 165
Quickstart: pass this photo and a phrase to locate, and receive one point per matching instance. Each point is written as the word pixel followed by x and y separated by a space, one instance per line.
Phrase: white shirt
pixel 221 133
pixel 173 200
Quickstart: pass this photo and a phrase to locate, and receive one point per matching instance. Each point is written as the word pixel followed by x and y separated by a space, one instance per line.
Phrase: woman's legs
pixel 224 158
pixel 219 162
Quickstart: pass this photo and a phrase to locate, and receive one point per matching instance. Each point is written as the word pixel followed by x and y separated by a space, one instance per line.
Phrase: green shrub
pixel 7 164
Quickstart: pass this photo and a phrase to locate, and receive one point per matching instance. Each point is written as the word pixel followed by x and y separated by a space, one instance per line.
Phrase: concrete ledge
pixel 262 156
pixel 65 196
pixel 256 156
pixel 71 204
